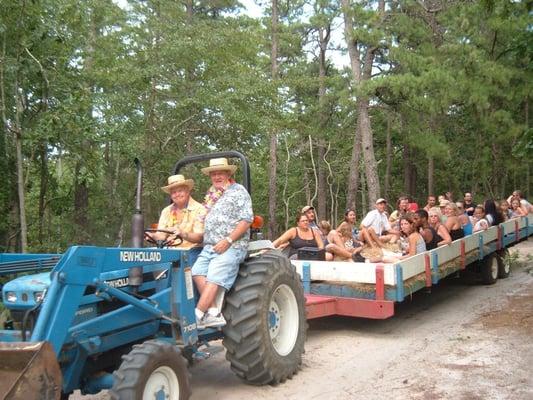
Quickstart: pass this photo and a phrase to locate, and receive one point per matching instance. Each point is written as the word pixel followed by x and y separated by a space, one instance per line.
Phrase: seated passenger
pixel 430 235
pixel 492 214
pixel 375 227
pixel 402 207
pixel 432 202
pixel 516 209
pixel 325 233
pixel 452 221
pixel 435 223
pixel 464 219
pixel 468 204
pixel 504 209
pixel 343 246
pixel 300 236
pixel 185 216
pixel 414 240
pixel 526 205
pixel 309 211
pixel 442 205
pixel 478 219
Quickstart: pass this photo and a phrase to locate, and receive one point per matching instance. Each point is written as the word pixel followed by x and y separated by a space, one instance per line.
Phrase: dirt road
pixel 462 341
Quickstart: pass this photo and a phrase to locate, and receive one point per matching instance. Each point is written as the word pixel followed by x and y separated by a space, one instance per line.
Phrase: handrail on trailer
pixel 321 305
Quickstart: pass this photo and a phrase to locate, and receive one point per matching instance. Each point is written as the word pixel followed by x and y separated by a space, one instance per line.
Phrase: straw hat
pixel 444 203
pixel 219 164
pixel 177 180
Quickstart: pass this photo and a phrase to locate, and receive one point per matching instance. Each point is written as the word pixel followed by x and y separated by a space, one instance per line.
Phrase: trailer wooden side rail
pixel 370 290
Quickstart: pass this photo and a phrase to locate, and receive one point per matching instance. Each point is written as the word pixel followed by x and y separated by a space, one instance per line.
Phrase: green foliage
pixel 101 85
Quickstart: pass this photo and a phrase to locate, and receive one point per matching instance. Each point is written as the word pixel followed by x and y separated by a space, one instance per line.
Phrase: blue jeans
pixel 220 269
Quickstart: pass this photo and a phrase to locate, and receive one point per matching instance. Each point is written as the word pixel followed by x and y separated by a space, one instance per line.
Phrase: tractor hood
pixel 25 291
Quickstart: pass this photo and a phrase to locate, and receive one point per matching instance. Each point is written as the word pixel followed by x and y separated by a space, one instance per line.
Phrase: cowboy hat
pixel 177 180
pixel 219 164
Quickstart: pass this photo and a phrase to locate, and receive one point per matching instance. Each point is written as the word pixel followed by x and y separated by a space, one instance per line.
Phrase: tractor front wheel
pixel 152 370
pixel 266 326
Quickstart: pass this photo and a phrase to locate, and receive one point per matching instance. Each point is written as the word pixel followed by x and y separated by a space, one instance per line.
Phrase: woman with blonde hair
pixel 342 244
pixel 435 221
pixel 452 221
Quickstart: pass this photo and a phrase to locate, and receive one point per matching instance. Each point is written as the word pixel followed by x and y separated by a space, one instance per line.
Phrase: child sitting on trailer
pixel 342 244
pixel 478 219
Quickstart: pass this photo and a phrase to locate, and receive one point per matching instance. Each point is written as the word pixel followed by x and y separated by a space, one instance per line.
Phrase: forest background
pixel 435 96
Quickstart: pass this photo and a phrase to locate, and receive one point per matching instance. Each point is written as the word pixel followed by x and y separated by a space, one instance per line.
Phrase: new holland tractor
pixel 123 318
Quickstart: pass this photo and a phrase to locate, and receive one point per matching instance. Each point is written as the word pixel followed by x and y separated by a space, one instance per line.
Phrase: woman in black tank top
pixel 300 236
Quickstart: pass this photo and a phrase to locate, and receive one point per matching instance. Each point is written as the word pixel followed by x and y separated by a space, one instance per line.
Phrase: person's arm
pixel 426 235
pixel 234 235
pixel 445 235
pixel 319 241
pixel 411 250
pixel 288 235
pixel 450 222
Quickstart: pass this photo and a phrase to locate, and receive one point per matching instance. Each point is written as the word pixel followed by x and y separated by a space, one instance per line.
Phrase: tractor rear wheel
pixel 266 326
pixel 150 371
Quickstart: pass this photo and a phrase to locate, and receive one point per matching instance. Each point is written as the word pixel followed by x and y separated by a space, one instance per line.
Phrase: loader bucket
pixel 29 371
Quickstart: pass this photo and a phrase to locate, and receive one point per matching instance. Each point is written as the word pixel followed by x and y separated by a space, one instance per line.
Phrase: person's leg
pixel 222 272
pixel 207 298
pixel 339 251
pixel 372 238
pixel 199 281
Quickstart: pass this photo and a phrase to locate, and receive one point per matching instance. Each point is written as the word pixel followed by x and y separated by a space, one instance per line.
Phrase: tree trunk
pixel 367 142
pixel 388 162
pixel 42 188
pixel 273 144
pixel 431 172
pixel 361 73
pixel 323 35
pixel 20 172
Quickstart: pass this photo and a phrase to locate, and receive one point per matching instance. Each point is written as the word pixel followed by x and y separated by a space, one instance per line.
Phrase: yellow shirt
pixel 190 220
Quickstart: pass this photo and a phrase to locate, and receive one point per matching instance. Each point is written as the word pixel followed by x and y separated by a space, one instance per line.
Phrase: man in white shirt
pixel 375 227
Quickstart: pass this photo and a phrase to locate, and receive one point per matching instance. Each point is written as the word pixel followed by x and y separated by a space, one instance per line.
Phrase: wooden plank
pixel 341 271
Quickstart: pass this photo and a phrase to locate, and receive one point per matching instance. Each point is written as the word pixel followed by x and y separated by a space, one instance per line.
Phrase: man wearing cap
pixel 226 237
pixel 309 212
pixel 375 227
pixel 185 216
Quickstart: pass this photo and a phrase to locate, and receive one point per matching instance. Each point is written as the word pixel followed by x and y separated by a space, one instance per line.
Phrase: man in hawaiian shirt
pixel 185 216
pixel 226 237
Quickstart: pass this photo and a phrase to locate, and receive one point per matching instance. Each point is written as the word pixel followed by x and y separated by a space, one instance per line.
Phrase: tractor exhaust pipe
pixel 137 227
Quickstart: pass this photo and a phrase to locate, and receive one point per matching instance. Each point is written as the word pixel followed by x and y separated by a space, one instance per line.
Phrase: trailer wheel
pixel 152 370
pixel 489 269
pixel 504 264
pixel 266 326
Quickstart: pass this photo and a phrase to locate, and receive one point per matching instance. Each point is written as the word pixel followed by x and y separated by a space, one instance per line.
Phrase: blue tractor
pixel 123 318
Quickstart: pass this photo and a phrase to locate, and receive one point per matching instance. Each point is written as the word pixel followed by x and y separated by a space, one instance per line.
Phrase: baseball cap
pixel 307 208
pixel 381 200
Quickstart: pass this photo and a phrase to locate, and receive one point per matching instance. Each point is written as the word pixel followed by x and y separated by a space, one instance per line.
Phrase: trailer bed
pixel 370 290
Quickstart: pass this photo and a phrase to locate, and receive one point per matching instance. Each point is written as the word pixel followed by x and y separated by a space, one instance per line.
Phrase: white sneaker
pixel 210 321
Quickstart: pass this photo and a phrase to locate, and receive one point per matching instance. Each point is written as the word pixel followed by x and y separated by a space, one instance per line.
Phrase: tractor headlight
pixel 11 297
pixel 38 296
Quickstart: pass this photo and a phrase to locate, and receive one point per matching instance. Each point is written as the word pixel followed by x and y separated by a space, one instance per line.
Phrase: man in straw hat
pixel 185 216
pixel 226 237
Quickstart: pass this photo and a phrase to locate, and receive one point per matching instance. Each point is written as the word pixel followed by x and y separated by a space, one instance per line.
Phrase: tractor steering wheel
pixel 162 243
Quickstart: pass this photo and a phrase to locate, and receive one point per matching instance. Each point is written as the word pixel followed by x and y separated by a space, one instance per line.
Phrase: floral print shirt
pixel 234 206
